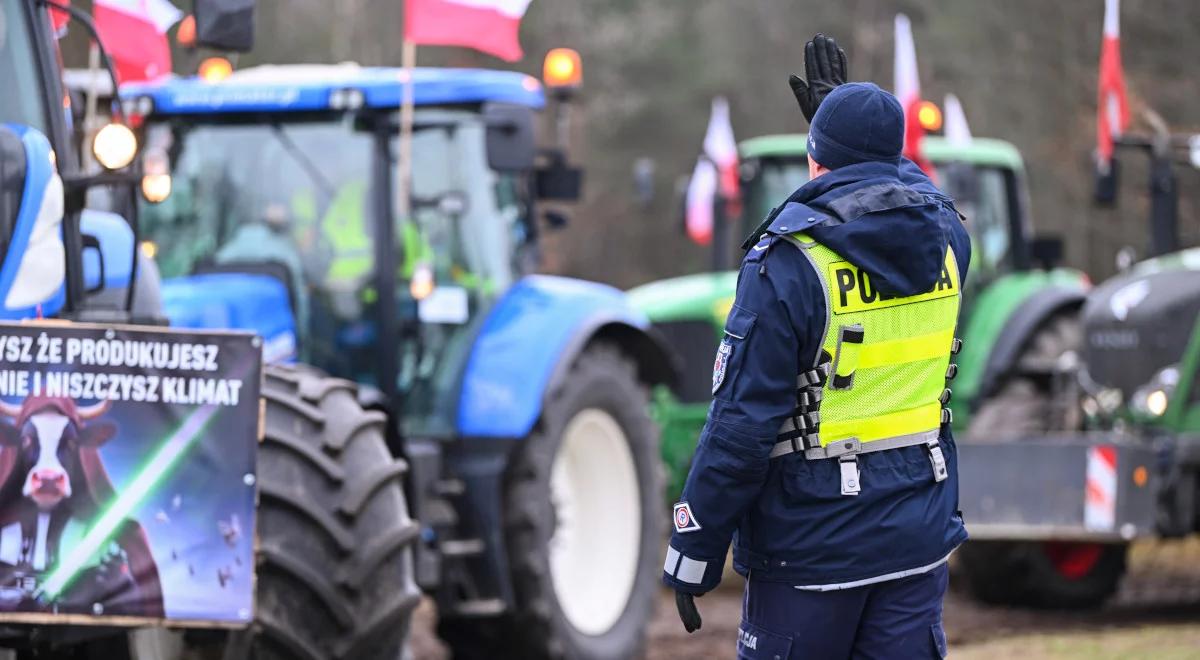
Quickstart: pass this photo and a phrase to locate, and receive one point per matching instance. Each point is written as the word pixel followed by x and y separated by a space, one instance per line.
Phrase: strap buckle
pixel 938 460
pixel 848 465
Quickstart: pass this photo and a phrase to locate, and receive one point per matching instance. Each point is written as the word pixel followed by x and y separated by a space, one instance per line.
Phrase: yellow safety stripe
pixel 878 427
pixel 910 349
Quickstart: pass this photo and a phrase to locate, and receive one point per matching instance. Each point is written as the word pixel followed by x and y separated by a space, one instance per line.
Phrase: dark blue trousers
pixel 900 619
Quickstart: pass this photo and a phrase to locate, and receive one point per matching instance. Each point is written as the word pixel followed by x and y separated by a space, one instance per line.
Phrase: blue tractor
pixel 270 202
pixel 438 417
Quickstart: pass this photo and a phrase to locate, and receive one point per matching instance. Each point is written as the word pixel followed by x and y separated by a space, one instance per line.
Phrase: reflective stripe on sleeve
pixel 691 571
pixel 672 562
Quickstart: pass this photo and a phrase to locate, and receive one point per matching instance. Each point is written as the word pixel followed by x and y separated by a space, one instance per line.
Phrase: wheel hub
pixel 596 496
pixel 1073 560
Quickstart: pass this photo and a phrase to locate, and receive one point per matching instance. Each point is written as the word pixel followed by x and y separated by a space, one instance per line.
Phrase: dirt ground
pixel 1155 614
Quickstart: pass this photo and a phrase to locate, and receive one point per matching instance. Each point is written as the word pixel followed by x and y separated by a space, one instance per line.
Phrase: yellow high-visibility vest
pixel 879 380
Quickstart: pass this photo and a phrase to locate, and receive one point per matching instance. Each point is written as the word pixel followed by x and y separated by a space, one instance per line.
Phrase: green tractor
pixel 1020 326
pixel 1053 515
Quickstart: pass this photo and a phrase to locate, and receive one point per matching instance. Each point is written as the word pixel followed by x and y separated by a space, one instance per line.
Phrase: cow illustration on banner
pixel 49 452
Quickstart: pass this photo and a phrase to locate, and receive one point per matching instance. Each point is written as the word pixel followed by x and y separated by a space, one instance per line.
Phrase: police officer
pixel 827 455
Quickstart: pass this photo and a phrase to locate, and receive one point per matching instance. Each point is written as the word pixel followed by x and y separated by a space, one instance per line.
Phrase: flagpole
pixel 408 63
pixel 93 93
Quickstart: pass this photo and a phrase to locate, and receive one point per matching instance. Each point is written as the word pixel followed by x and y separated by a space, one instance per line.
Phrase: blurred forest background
pixel 1025 71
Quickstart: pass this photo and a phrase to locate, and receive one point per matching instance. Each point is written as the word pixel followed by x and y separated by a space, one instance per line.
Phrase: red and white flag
pixel 721 149
pixel 1112 108
pixel 716 172
pixel 485 25
pixel 958 132
pixel 908 91
pixel 134 33
pixel 701 196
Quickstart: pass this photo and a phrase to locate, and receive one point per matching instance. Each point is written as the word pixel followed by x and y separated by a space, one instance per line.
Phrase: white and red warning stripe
pixel 1100 499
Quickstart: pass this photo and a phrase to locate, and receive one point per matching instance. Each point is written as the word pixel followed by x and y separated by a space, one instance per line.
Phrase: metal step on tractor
pixel 483 434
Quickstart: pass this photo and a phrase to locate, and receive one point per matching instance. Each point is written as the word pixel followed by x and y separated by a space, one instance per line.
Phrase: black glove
pixel 825 65
pixel 688 613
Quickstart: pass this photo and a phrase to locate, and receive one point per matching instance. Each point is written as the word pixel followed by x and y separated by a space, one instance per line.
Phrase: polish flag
pixel 716 173
pixel 701 196
pixel 721 149
pixel 485 25
pixel 134 33
pixel 1112 108
pixel 908 91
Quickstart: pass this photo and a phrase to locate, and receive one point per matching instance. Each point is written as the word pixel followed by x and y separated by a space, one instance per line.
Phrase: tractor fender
pixel 1035 310
pixel 528 341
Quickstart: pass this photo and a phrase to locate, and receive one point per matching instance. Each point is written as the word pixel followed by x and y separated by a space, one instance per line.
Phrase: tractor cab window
pixel 289 196
pixel 22 100
pixel 981 194
pixel 770 182
pixel 455 200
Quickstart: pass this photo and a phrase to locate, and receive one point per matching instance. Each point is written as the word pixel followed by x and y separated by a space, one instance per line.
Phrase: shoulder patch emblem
pixel 684 520
pixel 721 365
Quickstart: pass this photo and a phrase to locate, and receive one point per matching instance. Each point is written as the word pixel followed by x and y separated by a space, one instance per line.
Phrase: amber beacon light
pixel 929 116
pixel 215 69
pixel 562 69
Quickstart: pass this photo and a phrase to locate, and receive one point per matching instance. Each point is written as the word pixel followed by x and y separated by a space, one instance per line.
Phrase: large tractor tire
pixel 335 573
pixel 1037 399
pixel 583 524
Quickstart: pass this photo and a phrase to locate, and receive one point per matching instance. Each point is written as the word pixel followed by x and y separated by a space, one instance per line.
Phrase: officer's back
pixel 827 455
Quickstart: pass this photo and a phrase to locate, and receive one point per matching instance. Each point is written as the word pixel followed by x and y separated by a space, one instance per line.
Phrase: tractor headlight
pixel 156 178
pixel 156 187
pixel 1150 400
pixel 114 146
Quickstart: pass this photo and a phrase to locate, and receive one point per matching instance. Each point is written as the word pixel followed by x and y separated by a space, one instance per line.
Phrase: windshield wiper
pixel 305 162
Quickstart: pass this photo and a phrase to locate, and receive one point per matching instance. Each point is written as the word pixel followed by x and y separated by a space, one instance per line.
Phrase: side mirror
pixel 225 24
pixel 558 181
pixel 1047 251
pixel 510 141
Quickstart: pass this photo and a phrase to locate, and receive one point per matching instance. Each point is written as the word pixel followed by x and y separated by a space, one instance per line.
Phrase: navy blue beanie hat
pixel 857 122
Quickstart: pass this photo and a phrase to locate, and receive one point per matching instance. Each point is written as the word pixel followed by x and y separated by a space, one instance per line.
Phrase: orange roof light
pixel 186 34
pixel 215 69
pixel 562 69
pixel 929 116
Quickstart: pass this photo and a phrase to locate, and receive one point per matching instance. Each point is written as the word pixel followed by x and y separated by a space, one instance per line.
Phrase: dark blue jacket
pixel 786 516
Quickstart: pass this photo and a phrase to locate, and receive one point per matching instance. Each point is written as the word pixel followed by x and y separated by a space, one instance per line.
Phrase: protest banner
pixel 127 474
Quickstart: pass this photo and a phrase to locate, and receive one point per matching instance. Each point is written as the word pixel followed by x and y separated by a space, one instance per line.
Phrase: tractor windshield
pixel 299 192
pixel 982 194
pixel 22 100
